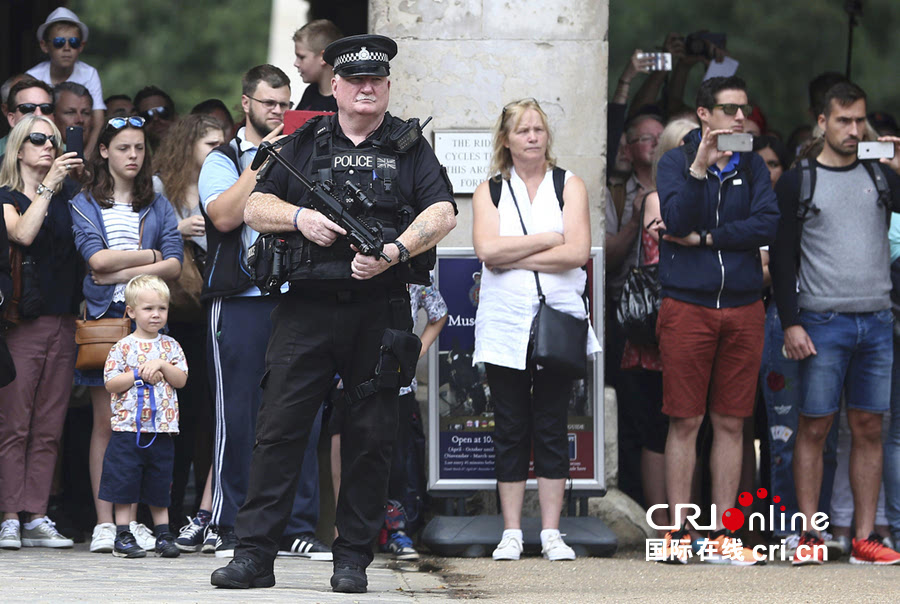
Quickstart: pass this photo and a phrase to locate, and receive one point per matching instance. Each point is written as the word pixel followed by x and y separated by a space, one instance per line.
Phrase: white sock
pixel 13 520
pixel 34 523
pixel 548 534
pixel 517 533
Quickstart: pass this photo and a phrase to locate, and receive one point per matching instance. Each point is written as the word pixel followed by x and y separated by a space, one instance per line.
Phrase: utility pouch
pixel 397 360
pixel 267 261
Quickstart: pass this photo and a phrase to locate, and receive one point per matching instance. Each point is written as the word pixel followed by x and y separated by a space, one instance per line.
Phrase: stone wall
pixel 462 60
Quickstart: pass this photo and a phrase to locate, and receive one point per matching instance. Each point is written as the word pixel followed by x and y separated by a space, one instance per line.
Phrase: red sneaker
pixel 810 550
pixel 676 548
pixel 873 551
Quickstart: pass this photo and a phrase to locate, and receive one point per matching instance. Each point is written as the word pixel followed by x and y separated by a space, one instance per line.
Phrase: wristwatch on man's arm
pixel 404 253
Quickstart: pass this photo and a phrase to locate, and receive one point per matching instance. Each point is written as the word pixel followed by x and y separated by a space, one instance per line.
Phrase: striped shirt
pixel 122 233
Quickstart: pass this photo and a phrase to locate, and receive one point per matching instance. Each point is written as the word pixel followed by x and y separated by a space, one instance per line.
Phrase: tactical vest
pixel 226 272
pixel 374 170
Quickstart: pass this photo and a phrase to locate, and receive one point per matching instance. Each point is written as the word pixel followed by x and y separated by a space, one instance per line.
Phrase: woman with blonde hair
pixel 35 193
pixel 528 235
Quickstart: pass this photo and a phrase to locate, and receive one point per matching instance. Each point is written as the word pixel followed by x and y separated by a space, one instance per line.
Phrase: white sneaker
pixel 554 548
pixel 790 544
pixel 837 546
pixel 144 536
pixel 10 535
pixel 104 538
pixel 510 547
pixel 44 535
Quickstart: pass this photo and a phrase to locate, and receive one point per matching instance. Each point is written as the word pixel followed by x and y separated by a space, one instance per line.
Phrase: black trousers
pixel 531 408
pixel 314 336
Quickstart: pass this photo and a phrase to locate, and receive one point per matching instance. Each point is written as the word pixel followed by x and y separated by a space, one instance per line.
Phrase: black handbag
pixel 638 307
pixel 558 340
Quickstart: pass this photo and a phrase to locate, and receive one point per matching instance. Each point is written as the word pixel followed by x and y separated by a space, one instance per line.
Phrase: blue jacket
pixel 741 213
pixel 160 232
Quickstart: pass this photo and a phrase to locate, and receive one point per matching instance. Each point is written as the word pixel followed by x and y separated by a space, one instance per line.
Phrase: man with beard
pixel 239 324
pixel 831 274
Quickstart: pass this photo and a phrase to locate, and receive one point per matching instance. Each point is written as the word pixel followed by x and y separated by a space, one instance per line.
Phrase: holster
pixel 396 368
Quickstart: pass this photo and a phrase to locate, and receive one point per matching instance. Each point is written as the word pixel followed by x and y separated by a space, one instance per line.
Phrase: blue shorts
pixel 854 356
pixel 134 475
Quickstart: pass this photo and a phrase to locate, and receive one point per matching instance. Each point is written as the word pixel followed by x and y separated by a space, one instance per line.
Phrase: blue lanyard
pixel 139 384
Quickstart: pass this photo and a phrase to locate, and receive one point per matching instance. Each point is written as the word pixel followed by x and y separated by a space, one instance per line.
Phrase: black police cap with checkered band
pixel 366 54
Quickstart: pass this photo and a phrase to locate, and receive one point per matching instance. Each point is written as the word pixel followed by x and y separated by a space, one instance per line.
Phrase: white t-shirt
pixel 82 74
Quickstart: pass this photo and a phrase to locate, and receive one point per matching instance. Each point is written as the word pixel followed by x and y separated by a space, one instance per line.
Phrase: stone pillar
pixel 462 60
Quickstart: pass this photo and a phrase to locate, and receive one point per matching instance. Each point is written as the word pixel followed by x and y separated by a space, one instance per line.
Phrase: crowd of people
pixel 775 271
pixel 760 334
pixel 126 230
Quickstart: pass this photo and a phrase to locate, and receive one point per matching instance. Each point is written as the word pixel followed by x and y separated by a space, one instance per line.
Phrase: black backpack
pixel 808 188
pixel 559 183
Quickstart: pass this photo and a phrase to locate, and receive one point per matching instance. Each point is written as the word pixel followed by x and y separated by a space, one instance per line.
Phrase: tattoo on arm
pixel 424 232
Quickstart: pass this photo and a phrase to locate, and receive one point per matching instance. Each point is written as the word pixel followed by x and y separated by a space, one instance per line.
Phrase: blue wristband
pixel 297 215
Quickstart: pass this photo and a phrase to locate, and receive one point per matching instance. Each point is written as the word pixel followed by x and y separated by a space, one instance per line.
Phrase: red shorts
pixel 710 352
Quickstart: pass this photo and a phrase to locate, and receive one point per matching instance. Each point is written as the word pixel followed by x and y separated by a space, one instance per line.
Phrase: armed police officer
pixel 342 308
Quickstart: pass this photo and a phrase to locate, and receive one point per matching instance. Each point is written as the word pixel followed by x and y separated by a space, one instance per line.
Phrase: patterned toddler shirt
pixel 126 355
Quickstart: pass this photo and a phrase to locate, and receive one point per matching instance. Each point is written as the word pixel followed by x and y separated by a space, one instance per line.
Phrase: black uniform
pixel 331 323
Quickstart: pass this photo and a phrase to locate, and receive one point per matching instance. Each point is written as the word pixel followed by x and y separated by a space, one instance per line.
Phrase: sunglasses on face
pixel 117 123
pixel 26 108
pixel 153 113
pixel 60 41
pixel 39 138
pixel 270 105
pixel 732 108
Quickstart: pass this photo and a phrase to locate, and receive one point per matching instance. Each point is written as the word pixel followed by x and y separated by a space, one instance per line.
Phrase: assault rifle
pixel 365 234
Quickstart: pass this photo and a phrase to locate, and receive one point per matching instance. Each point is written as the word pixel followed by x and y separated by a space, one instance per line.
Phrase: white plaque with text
pixel 467 156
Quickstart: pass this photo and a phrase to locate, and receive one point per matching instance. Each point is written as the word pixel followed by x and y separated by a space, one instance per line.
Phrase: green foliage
pixel 781 45
pixel 192 49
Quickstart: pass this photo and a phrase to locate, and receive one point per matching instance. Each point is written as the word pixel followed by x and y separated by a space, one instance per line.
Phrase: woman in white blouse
pixel 530 403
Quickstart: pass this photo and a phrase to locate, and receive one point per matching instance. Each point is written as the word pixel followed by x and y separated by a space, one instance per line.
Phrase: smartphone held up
pixel 736 143
pixel 875 150
pixel 658 61
pixel 75 140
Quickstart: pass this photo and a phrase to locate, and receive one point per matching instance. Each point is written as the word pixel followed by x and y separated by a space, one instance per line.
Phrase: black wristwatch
pixel 404 253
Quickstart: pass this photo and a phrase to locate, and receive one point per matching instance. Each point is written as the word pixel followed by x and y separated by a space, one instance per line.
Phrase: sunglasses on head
pixel 117 123
pixel 25 108
pixel 153 113
pixel 39 138
pixel 732 108
pixel 60 41
pixel 509 106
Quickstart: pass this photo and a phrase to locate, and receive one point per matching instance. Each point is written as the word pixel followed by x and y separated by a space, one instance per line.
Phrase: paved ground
pixel 41 575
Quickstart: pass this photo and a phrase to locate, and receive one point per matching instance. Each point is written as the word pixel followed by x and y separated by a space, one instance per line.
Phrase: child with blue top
pixel 142 372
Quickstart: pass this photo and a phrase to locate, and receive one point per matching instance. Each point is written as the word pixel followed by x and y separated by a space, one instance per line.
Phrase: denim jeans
pixel 891 473
pixel 780 383
pixel 854 355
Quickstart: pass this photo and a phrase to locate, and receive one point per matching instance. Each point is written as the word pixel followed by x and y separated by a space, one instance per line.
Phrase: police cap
pixel 366 54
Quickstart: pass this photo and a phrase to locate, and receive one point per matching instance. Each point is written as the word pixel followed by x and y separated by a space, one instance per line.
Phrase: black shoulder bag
pixel 639 305
pixel 558 340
